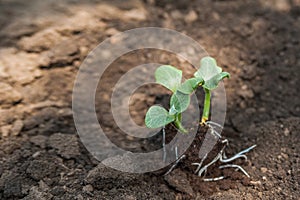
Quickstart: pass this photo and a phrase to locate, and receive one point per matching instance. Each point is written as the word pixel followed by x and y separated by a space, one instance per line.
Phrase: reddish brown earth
pixel 43 44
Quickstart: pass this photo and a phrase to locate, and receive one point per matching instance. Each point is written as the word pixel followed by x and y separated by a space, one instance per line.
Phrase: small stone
pixel 176 14
pixel 36 154
pixel 244 87
pixel 285 156
pixel 88 188
pixel 286 132
pixel 191 17
pixel 5 130
pixel 246 93
pixel 17 127
pixel 282 5
pixel 264 178
pixel 263 169
pixel 216 16
pixel 255 182
pixel 111 31
pixel 135 14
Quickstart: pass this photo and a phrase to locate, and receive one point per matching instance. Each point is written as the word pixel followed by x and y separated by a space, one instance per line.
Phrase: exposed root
pixel 200 164
pixel 221 156
pixel 214 179
pixel 175 164
pixel 235 166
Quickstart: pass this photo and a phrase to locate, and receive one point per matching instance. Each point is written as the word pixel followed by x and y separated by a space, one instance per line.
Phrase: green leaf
pixel 180 101
pixel 168 76
pixel 190 85
pixel 214 81
pixel 157 117
pixel 208 68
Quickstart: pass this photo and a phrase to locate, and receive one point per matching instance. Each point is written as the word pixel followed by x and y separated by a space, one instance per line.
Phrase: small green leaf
pixel 180 101
pixel 208 68
pixel 190 85
pixel 168 76
pixel 214 81
pixel 157 117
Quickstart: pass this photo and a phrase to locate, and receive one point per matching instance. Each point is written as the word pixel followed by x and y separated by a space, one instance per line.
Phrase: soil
pixel 43 44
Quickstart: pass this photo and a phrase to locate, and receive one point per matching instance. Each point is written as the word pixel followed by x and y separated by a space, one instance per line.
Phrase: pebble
pixel 286 132
pixel 17 127
pixel 191 17
pixel 135 14
pixel 255 182
pixel 246 93
pixel 176 14
pixel 36 154
pixel 88 188
pixel 263 169
pixel 285 156
pixel 111 31
pixel 5 130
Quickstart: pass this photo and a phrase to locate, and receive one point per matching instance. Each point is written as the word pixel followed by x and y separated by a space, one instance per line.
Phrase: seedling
pixel 207 76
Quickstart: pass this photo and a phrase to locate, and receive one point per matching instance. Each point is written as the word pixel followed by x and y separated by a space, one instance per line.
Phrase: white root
pixel 214 123
pixel 204 168
pixel 235 166
pixel 200 164
pixel 221 156
pixel 214 179
pixel 175 164
pixel 233 158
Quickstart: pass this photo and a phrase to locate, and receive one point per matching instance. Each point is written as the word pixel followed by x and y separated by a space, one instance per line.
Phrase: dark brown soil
pixel 43 44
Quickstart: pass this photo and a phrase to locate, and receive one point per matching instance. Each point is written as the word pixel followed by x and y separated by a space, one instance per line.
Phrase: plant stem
pixel 178 124
pixel 206 108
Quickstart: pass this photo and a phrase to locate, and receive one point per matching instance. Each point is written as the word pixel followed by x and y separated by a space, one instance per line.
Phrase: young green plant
pixel 207 76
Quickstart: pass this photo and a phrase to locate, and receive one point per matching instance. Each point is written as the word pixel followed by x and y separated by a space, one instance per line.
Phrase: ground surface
pixel 44 42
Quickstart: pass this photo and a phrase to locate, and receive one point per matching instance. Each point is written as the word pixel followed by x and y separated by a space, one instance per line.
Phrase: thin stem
pixel 206 108
pixel 179 125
